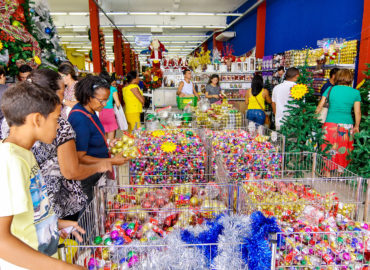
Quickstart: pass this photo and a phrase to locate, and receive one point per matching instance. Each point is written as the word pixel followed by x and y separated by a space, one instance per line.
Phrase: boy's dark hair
pixel 25 98
pixel 2 71
pixel 186 70
pixel 132 75
pixel 257 84
pixel 281 68
pixel 105 75
pixel 333 71
pixel 24 69
pixel 67 69
pixel 86 88
pixel 45 78
pixel 291 73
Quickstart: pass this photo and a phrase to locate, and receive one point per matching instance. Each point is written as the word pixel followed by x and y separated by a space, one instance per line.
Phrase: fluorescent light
pixel 79 26
pixel 193 26
pixel 172 13
pixel 169 26
pixel 126 25
pixel 58 13
pixel 215 26
pixel 82 50
pixel 106 26
pixel 109 42
pixel 229 14
pixel 68 36
pixel 78 13
pixel 201 14
pixel 143 13
pixel 145 26
pixel 116 13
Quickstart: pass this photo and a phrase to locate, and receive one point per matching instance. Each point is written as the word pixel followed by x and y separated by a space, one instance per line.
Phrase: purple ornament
pixel 133 260
pixel 114 235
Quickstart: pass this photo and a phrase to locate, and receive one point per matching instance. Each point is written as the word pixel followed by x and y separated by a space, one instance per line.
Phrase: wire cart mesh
pixel 151 211
pixel 318 205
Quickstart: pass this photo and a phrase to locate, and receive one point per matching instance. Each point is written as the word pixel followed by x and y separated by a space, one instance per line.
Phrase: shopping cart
pixel 120 204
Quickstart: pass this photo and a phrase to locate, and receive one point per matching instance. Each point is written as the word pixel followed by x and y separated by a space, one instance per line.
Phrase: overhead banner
pixel 143 40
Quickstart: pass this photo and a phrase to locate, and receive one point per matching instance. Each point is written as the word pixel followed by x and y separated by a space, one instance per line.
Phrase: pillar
pixel 260 30
pixel 217 44
pixel 364 56
pixel 127 54
pixel 94 32
pixel 117 39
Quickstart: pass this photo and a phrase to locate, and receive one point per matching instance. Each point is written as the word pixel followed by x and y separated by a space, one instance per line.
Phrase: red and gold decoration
pixel 153 77
pixel 15 35
pixel 102 48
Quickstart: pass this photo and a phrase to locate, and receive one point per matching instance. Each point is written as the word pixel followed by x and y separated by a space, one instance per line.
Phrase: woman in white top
pixel 186 87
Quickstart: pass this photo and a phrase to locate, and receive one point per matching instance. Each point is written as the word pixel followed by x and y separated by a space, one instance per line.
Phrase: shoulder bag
pixel 267 119
pixel 111 175
pixel 324 112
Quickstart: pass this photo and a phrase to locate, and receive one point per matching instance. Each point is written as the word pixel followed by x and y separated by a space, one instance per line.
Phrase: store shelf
pixel 227 73
pixel 226 82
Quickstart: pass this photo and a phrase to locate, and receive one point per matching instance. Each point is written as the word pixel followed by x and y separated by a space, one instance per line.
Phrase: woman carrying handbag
pixel 255 99
pixel 339 126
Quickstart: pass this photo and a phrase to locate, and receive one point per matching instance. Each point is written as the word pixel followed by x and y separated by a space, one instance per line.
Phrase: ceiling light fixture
pixel 116 13
pixel 78 13
pixel 142 13
pixel 58 13
pixel 193 26
pixel 201 14
pixel 172 13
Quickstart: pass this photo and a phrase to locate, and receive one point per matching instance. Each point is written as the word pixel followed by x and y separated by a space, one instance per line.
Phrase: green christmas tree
pixel 361 154
pixel 40 24
pixel 302 129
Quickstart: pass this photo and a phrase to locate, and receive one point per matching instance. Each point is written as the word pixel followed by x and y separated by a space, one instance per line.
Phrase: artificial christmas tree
pixel 40 24
pixel 301 127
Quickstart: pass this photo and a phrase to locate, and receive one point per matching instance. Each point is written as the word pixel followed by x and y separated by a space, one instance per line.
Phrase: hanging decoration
pixel 193 63
pixel 156 50
pixel 153 77
pixel 13 31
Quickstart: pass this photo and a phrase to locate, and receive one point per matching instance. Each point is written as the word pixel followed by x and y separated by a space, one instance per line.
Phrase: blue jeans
pixel 257 116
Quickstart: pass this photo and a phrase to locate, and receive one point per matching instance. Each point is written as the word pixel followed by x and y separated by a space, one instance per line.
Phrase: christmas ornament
pixel 1 45
pixel 48 30
pixel 37 60
pixel 16 24
pixel 168 147
pixel 298 91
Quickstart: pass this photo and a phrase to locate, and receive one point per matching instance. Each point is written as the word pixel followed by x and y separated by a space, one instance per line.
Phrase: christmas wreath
pixel 153 78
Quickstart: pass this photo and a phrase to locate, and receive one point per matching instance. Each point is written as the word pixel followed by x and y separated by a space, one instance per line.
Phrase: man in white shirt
pixel 281 95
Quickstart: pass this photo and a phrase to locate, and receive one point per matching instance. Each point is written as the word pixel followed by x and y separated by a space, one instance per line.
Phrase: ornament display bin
pixel 104 208
pixel 300 167
pixel 319 219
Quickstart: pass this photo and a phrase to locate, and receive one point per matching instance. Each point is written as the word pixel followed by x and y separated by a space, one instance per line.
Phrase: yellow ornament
pixel 1 46
pixel 37 60
pixel 158 133
pixel 168 147
pixel 298 91
pixel 155 78
pixel 194 201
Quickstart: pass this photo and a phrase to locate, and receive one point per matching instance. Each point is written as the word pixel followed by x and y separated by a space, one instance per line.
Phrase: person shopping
pixel 255 99
pixel 92 94
pixel 58 161
pixel 134 101
pixel 69 76
pixel 339 127
pixel 186 87
pixel 213 89
pixel 107 115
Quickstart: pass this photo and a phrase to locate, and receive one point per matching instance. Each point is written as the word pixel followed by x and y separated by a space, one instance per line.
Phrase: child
pixel 28 226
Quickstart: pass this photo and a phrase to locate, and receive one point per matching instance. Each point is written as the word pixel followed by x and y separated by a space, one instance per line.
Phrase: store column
pixel 94 32
pixel 127 54
pixel 364 57
pixel 217 44
pixel 117 39
pixel 260 31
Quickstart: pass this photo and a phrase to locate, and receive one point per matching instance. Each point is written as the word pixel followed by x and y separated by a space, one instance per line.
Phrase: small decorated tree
pixel 361 154
pixel 301 127
pixel 40 24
